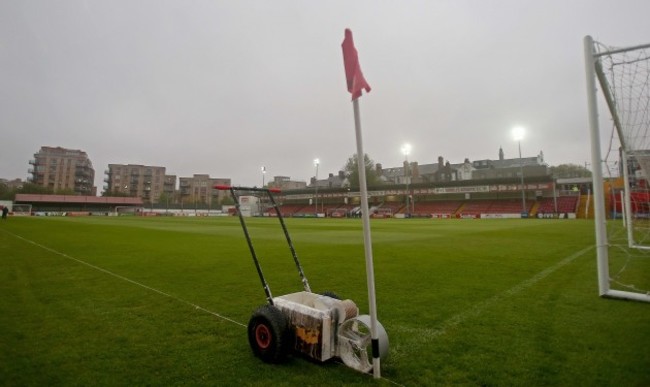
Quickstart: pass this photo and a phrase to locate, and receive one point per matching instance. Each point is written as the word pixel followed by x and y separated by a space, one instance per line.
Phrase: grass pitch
pixel 165 301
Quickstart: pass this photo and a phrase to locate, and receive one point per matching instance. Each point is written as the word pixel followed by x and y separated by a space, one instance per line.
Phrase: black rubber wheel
pixel 269 334
pixel 331 294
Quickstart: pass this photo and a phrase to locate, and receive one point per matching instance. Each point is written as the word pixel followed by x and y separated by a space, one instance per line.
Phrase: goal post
pixel 21 209
pixel 126 210
pixel 622 249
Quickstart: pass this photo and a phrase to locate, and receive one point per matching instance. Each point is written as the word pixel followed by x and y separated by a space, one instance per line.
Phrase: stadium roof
pixel 76 199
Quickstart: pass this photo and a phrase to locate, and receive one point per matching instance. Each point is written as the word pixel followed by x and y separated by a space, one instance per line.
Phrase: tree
pixel 351 169
pixel 31 188
pixel 564 171
pixel 7 193
pixel 227 201
pixel 65 191
pixel 165 198
pixel 116 194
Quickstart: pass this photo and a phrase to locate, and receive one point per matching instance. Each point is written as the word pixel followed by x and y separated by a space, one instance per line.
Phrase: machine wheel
pixel 355 343
pixel 269 334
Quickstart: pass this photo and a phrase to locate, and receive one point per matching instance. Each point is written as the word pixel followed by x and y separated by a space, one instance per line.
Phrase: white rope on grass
pixel 198 307
pixel 430 334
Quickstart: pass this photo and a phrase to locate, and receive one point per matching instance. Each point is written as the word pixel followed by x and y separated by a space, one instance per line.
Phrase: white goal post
pixel 624 78
pixel 21 209
pixel 126 210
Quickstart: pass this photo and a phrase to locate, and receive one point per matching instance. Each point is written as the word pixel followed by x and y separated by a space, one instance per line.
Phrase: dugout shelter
pixel 76 204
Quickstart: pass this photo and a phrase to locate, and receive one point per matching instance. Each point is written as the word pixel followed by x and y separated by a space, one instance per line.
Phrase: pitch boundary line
pixel 476 310
pixel 105 271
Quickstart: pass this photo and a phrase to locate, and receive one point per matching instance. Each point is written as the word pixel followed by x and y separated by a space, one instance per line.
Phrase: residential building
pixel 285 183
pixel 142 181
pixel 478 170
pixel 199 190
pixel 510 168
pixel 169 187
pixel 332 181
pixel 61 169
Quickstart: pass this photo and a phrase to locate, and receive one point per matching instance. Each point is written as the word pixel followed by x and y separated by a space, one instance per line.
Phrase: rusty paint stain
pixel 309 336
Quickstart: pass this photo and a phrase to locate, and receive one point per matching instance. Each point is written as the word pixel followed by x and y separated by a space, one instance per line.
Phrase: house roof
pixel 329 182
pixel 511 163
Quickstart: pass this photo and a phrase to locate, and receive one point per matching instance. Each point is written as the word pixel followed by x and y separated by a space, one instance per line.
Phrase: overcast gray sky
pixel 226 87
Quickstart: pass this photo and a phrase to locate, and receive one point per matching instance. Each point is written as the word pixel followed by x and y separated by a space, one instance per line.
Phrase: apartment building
pixel 143 181
pixel 285 183
pixel 199 189
pixel 61 169
pixel 169 187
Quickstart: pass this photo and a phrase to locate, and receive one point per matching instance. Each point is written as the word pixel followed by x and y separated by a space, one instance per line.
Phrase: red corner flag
pixel 353 74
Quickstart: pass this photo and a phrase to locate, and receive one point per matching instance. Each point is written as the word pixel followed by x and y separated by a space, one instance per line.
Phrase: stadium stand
pixel 292 209
pixel 442 208
pixel 436 208
pixel 565 204
pixel 390 208
pixel 475 208
pixel 340 211
pixel 507 206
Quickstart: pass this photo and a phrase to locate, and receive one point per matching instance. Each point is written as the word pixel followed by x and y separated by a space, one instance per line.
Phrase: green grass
pixel 113 301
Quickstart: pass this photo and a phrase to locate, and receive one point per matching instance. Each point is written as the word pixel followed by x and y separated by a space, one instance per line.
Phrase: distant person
pixel 5 211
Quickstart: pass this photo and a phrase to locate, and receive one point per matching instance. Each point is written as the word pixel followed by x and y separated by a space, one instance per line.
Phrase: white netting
pixel 22 209
pixel 627 73
pixel 624 76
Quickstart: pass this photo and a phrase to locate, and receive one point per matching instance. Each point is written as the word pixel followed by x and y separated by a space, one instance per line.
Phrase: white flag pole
pixel 367 241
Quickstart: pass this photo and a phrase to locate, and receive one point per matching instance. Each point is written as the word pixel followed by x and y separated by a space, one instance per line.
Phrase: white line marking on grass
pixel 430 334
pixel 143 285
pixel 126 279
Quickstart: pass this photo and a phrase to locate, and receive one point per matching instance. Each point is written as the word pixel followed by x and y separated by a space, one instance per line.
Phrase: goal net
pixel 127 210
pixel 621 170
pixel 21 209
